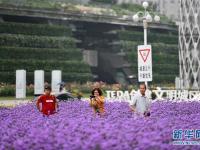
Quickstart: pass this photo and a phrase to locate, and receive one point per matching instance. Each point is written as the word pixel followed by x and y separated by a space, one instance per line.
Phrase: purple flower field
pixel 76 128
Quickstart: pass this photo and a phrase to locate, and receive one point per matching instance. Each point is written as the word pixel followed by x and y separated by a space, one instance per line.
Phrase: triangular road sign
pixel 144 54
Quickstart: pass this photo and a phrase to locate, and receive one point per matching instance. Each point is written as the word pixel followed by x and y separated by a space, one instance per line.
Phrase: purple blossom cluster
pixel 75 127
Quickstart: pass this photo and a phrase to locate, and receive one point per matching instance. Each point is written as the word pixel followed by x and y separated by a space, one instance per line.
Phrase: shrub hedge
pixel 31 65
pixel 40 53
pixel 34 29
pixel 19 40
pixel 9 90
pixel 9 77
pixel 156 58
pixel 152 37
pixel 156 47
pixel 158 78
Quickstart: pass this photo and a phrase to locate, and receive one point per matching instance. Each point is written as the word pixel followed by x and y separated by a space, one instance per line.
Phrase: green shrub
pixel 47 4
pixel 165 59
pixel 36 41
pixel 7 91
pixel 7 77
pixel 152 37
pixel 40 53
pixel 10 77
pixel 168 69
pixel 29 91
pixel 34 29
pixel 165 48
pixel 31 65
pixel 156 58
pixel 157 48
pixel 157 78
pixel 103 1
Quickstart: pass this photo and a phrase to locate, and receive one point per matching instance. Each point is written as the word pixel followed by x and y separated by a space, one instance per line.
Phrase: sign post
pixel 144 63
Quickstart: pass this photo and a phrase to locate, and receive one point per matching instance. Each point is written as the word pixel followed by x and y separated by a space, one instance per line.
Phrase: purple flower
pixel 76 128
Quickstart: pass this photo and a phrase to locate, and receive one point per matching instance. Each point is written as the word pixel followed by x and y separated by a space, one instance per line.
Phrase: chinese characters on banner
pixel 144 63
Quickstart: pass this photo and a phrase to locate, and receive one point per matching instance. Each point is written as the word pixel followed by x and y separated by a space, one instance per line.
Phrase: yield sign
pixel 144 54
pixel 144 63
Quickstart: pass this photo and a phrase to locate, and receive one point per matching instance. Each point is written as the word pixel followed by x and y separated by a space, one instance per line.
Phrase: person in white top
pixel 140 104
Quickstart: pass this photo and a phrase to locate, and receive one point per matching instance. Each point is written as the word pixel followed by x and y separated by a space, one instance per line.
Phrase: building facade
pixel 189 44
pixel 169 8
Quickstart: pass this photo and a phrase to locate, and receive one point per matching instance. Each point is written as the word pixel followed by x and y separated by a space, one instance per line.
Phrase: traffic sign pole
pixel 145 40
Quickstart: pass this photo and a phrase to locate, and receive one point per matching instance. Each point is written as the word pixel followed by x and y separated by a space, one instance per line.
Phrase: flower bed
pixel 74 127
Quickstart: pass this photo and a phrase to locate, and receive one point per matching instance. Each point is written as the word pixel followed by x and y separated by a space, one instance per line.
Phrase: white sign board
pixel 55 80
pixel 144 63
pixel 20 84
pixel 125 96
pixel 166 95
pixel 38 82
